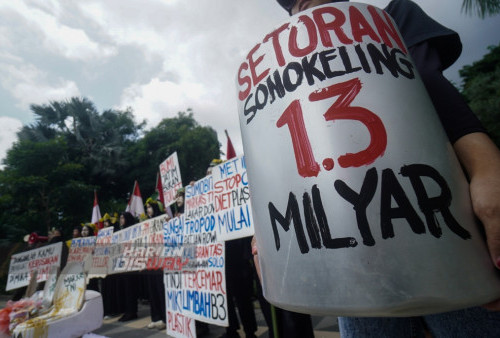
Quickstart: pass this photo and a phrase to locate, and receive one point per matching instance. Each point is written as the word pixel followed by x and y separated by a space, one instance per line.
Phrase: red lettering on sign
pixel 292 116
pixel 340 110
pixel 311 33
pixel 324 27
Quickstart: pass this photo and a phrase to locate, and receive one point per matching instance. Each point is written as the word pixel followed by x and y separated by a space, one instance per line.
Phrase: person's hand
pixel 481 159
pixel 485 195
pixel 255 257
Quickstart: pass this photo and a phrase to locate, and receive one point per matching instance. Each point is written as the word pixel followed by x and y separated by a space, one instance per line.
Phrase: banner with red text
pixel 231 200
pixel 101 255
pixel 179 325
pixel 40 259
pixel 140 246
pixel 81 250
pixel 171 180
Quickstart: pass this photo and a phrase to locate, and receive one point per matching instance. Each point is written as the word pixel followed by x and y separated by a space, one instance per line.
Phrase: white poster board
pixel 40 259
pixel 231 200
pixel 171 180
pixel 81 250
pixel 100 259
pixel 178 324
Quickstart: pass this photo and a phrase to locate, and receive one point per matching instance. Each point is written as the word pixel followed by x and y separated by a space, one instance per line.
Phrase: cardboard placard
pixel 171 179
pixel 100 259
pixel 40 259
pixel 178 324
pixel 231 200
pixel 81 250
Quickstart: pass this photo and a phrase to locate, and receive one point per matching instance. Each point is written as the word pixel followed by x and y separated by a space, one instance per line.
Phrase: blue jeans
pixel 472 322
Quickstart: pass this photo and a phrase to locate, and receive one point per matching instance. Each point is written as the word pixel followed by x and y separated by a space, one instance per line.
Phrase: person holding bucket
pixel 433 48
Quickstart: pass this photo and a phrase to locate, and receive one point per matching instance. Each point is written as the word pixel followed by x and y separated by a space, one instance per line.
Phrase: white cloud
pixel 8 128
pixel 29 85
pixel 159 99
pixel 56 37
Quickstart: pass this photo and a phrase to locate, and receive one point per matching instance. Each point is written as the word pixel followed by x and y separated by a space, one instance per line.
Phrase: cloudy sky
pixel 158 57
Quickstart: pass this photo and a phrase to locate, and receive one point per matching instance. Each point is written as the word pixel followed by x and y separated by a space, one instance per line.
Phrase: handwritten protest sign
pixel 173 238
pixel 171 180
pixel 40 259
pixel 199 198
pixel 101 255
pixel 125 241
pixel 203 277
pixel 178 324
pixel 81 250
pixel 231 200
pixel 139 247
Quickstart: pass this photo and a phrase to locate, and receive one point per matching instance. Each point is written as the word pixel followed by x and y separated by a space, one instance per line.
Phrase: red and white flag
pixel 96 213
pixel 135 205
pixel 230 153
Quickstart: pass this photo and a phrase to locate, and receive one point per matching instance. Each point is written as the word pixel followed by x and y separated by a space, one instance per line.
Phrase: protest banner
pixel 231 200
pixel 81 250
pixel 171 180
pixel 352 173
pixel 178 324
pixel 124 244
pixel 101 255
pixel 40 259
pixel 199 198
pixel 203 276
pixel 139 247
pixel 173 239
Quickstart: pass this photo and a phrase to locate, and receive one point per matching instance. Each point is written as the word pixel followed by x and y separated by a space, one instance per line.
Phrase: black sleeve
pixel 455 115
pixel 416 27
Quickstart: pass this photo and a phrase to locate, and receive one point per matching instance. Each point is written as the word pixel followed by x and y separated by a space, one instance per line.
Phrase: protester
pixel 56 236
pixel 87 230
pixel 239 288
pixel 154 280
pixel 77 232
pixel 202 329
pixel 289 324
pixel 129 280
pixel 433 48
pixel 112 292
pixel 178 206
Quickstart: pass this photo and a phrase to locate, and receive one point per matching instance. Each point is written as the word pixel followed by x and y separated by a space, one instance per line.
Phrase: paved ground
pixel 324 327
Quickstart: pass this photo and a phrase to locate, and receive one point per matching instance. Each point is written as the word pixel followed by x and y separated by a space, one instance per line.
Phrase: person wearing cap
pixel 433 48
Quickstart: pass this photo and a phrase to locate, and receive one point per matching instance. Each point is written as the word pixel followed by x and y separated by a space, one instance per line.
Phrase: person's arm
pixel 481 160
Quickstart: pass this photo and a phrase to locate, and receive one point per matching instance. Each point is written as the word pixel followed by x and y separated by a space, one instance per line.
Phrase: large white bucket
pixel 360 205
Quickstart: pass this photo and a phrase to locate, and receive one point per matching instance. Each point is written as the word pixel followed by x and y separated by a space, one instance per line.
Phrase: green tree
pixel 481 89
pixel 195 145
pixel 481 7
pixel 40 188
pixel 71 149
pixel 96 141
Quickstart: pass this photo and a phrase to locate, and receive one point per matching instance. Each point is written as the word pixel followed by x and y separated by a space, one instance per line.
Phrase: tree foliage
pixel 71 149
pixel 481 7
pixel 481 89
pixel 40 188
pixel 195 145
